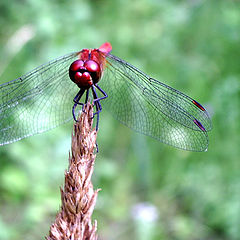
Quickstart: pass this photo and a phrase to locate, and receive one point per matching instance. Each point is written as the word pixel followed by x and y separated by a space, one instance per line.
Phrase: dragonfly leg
pixel 99 109
pixel 97 104
pixel 86 99
pixel 78 96
pixel 87 94
pixel 96 101
pixel 105 94
pixel 76 102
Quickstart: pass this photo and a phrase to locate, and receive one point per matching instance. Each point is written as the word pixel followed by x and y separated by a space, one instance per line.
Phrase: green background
pixel 149 190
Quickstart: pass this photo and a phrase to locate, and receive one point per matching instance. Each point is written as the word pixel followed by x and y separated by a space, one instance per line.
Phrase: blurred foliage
pixel 193 46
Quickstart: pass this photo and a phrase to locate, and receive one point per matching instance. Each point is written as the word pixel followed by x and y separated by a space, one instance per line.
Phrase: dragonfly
pixel 52 94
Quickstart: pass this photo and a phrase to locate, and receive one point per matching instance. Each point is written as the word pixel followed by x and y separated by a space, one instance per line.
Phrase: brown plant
pixel 78 196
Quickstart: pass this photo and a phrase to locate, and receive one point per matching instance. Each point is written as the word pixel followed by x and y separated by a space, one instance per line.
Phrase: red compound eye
pixel 91 66
pixel 75 66
pixel 77 77
pixel 83 80
pixel 84 74
pixel 94 69
pixel 86 77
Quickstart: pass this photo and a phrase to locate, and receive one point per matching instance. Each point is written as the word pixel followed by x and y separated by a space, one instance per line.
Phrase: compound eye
pixel 92 66
pixel 76 65
pixel 86 77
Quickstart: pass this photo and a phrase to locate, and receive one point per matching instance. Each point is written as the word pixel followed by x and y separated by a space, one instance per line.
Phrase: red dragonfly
pixel 50 94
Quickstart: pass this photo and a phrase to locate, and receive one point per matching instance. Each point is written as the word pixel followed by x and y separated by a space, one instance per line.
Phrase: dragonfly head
pixel 85 73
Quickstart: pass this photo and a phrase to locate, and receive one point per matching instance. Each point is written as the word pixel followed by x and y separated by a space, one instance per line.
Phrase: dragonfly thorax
pixel 85 73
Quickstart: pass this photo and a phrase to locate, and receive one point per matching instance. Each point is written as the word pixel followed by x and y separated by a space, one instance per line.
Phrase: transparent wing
pixel 153 108
pixel 37 101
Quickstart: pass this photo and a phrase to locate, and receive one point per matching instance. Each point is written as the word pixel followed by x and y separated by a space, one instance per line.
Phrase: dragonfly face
pixel 49 95
pixel 84 74
pixel 87 70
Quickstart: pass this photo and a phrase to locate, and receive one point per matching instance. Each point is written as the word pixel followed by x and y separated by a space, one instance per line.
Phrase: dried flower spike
pixel 78 196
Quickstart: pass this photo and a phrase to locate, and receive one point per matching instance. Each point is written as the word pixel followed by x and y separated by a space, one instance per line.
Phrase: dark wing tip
pixel 198 105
